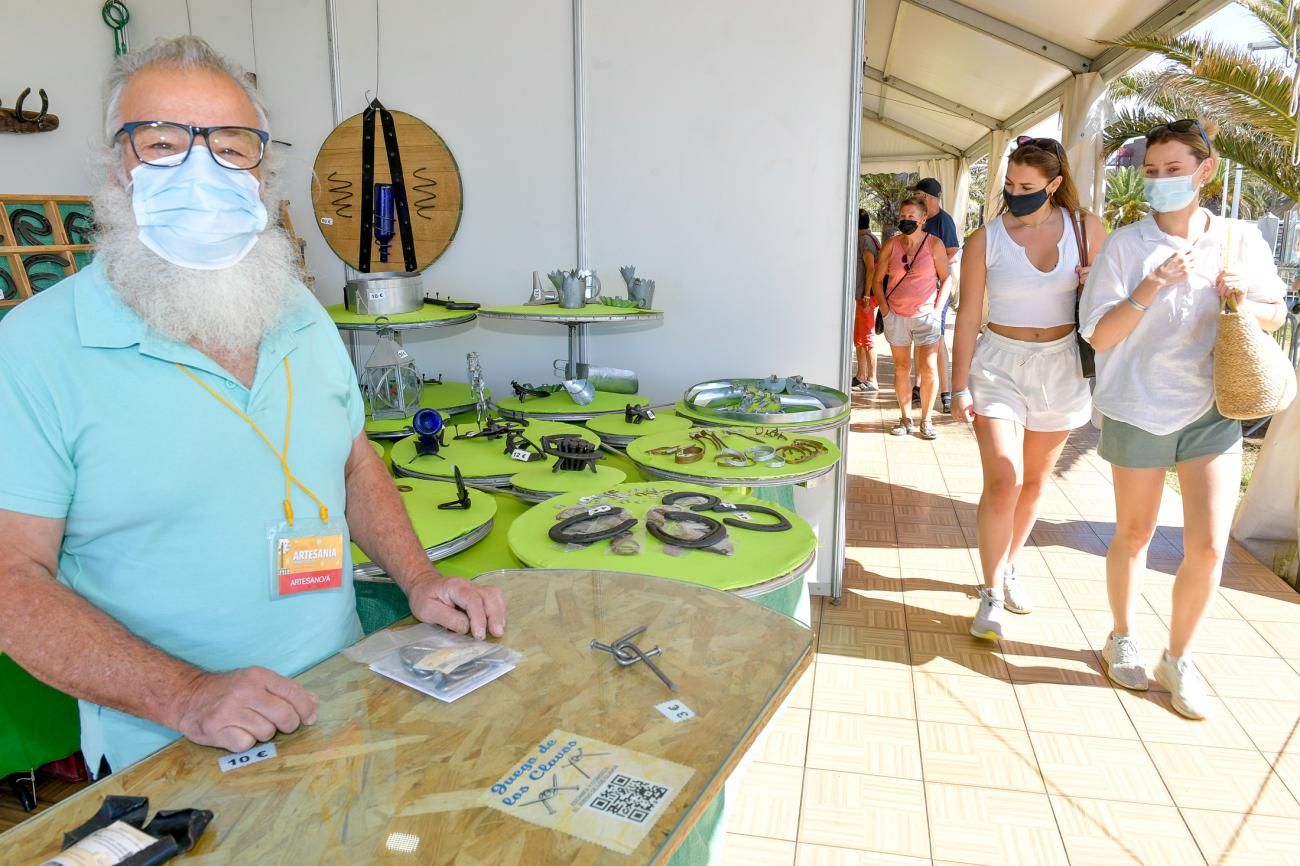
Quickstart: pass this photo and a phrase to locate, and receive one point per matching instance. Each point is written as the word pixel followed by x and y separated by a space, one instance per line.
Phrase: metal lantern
pixel 393 382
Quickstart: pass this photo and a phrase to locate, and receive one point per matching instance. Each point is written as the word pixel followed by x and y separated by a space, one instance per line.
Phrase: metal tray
pixel 717 400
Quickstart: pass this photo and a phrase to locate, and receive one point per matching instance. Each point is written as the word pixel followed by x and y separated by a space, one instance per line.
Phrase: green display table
pixel 430 316
pixel 617 431
pixel 482 462
pixel 561 407
pixel 449 398
pixel 442 532
pixel 706 471
pixel 38 724
pixel 762 563
pixel 596 312
pixel 379 605
pixel 540 483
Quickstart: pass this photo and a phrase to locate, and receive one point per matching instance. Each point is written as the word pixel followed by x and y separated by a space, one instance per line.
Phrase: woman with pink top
pixel 913 266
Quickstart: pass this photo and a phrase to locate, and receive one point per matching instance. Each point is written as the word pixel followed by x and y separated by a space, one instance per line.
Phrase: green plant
pixel 1249 96
pixel 881 194
pixel 1125 202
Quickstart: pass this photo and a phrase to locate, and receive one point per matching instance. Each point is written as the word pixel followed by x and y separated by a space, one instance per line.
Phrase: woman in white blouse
pixel 1150 310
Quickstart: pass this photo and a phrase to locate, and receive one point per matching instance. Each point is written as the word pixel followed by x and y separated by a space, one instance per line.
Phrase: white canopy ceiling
pixel 939 74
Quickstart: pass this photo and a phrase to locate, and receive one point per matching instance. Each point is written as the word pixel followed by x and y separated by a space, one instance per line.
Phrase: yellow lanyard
pixel 282 456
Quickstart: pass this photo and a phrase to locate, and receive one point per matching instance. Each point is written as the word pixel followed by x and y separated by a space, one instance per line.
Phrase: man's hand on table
pixel 457 605
pixel 239 709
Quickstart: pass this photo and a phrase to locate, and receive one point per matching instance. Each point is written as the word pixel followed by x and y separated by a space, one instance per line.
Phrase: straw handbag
pixel 1253 377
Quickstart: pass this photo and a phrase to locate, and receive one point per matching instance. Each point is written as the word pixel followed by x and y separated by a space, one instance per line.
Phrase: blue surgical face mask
pixel 197 215
pixel 1166 194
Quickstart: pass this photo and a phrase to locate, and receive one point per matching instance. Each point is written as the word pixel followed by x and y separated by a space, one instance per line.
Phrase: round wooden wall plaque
pixel 433 191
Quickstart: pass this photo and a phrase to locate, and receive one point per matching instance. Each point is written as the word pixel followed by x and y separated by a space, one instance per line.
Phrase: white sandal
pixel 904 428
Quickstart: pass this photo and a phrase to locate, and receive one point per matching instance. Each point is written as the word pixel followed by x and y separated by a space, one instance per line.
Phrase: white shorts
pixel 923 329
pixel 1037 385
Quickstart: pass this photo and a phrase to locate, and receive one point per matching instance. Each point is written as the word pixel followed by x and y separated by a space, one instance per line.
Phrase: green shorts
pixel 1131 447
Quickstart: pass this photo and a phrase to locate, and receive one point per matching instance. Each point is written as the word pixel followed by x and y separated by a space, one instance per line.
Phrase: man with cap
pixel 941 225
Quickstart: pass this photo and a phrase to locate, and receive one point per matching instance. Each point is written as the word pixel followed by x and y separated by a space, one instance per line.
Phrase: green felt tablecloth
pixel 481 458
pixel 38 724
pixel 434 526
pixel 380 451
pixel 759 556
pixel 428 314
pixel 617 425
pixel 590 311
pixel 709 471
pixel 448 395
pixel 686 412
pixel 540 479
pixel 560 403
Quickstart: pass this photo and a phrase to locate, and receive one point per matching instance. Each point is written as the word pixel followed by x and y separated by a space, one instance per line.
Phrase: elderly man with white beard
pixel 184 461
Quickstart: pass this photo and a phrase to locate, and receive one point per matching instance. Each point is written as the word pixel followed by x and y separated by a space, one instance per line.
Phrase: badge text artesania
pixel 309 564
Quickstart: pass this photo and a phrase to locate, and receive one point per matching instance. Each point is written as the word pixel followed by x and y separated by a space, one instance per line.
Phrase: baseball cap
pixel 930 186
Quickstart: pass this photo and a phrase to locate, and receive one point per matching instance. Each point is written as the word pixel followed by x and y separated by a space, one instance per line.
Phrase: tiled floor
pixel 910 743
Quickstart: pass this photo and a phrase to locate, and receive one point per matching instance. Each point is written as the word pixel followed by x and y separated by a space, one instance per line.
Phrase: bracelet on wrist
pixel 1137 305
pixel 964 392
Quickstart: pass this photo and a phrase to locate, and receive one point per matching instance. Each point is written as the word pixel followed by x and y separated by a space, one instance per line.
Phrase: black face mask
pixel 1024 205
pixel 908 226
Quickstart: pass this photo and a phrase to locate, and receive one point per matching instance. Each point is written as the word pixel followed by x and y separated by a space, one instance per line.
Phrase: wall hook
pixel 17 120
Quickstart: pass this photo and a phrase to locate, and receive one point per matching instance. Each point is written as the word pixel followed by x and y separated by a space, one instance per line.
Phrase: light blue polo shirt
pixel 168 496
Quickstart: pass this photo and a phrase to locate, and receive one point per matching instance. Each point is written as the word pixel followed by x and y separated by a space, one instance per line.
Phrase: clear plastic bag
pixel 444 665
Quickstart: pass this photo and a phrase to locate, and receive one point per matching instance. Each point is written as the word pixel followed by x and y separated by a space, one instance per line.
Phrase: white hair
pixel 180 52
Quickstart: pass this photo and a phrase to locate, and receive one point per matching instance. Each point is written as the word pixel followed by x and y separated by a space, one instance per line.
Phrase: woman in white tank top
pixel 1021 382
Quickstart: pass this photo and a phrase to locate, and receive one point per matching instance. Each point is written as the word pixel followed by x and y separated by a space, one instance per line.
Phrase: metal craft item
pixel 612 380
pixel 627 653
pixel 572 293
pixel 590 285
pixel 541 295
pixel 721 400
pixel 392 381
pixel 384 294
pixel 640 292
pixel 582 391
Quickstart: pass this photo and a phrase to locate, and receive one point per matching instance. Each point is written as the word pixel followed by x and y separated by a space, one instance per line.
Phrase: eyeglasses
pixel 157 142
pixel 1181 127
pixel 1048 144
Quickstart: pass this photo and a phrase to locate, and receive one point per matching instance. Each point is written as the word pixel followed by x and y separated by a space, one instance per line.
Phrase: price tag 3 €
pixel 260 752
pixel 675 711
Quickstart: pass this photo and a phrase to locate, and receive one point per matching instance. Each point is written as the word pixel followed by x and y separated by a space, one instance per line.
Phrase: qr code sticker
pixel 629 798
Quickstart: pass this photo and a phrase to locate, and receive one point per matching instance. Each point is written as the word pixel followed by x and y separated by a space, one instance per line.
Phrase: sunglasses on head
pixel 1049 144
pixel 1181 127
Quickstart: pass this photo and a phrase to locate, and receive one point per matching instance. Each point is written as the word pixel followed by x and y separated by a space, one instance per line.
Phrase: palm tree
pixel 881 194
pixel 1125 202
pixel 1248 96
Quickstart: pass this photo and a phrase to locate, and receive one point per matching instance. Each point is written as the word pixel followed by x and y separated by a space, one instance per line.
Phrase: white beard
pixel 226 311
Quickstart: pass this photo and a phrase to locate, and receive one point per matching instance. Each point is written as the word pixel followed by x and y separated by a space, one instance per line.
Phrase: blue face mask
pixel 197 215
pixel 1166 194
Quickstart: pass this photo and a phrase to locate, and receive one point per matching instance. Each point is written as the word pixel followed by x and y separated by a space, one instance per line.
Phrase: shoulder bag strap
pixel 1080 240
pixel 907 269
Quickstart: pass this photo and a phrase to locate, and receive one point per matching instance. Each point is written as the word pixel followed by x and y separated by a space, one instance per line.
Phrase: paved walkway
pixel 911 743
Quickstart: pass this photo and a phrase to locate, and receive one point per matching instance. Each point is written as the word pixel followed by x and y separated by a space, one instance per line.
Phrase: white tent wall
pixel 1083 117
pixel 718 142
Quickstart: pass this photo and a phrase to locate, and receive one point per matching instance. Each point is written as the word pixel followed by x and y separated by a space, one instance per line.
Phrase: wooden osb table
pixel 387 772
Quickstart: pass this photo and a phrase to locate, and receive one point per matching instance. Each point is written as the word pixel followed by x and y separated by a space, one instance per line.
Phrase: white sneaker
pixel 1015 596
pixel 1185 685
pixel 988 619
pixel 1124 663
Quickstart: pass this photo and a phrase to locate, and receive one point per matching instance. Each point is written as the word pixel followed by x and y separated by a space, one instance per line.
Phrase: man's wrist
pixel 408 582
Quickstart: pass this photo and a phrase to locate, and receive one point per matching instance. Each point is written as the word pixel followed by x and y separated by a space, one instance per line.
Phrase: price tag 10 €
pixel 260 752
pixel 675 711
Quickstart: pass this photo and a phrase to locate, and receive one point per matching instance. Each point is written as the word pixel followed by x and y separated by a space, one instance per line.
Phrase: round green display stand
pixel 706 471
pixel 617 431
pixel 555 313
pixel 449 398
pixel 763 562
pixel 442 532
pixel 828 424
pixel 430 316
pixel 379 449
pixel 538 483
pixel 560 406
pixel 482 461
